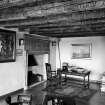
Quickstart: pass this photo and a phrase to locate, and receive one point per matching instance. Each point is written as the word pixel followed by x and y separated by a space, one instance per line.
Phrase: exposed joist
pixel 79 3
pixel 60 10
pixel 64 32
pixel 48 27
pixel 21 3
pixel 67 15
pixel 84 34
pixel 62 19
pixel 89 23
pixel 59 24
pixel 46 20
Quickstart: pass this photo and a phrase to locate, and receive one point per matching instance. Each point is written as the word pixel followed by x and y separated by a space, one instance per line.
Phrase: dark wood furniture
pixel 85 73
pixel 50 73
pixel 22 99
pixel 59 100
pixel 9 101
pixel 25 99
pixel 52 76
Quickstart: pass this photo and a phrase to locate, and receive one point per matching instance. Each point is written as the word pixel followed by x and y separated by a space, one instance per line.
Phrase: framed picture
pixel 81 51
pixel 7 45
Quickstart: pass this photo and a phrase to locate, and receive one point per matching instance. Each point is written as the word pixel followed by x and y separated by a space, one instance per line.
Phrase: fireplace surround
pixel 36 68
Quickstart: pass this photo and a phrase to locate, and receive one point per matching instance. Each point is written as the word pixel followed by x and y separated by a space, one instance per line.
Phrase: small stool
pixel 25 99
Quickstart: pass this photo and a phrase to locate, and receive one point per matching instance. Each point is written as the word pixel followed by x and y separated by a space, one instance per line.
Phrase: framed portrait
pixel 81 51
pixel 7 45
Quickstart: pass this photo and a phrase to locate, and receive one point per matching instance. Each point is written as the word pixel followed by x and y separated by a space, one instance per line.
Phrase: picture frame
pixel 7 45
pixel 81 51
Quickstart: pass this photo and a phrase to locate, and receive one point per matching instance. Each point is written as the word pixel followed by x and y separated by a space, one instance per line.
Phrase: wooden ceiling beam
pixel 66 16
pixel 47 22
pixel 84 34
pixel 25 3
pixel 72 4
pixel 77 15
pixel 52 9
pixel 97 25
pixel 64 32
pixel 57 26
pixel 30 2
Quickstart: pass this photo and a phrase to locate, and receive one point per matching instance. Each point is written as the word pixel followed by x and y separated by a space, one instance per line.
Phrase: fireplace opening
pixel 36 69
pixel 32 61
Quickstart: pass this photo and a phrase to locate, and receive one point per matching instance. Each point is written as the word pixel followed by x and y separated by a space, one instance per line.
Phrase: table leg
pixel 60 78
pixel 88 81
pixel 84 81
pixel 65 77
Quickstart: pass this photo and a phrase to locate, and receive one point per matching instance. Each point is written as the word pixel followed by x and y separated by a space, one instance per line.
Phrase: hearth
pixel 36 68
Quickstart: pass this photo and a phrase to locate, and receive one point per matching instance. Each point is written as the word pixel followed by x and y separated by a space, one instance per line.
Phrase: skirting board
pixel 11 93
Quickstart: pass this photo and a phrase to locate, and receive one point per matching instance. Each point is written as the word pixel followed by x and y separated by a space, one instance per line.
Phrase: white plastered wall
pixel 95 64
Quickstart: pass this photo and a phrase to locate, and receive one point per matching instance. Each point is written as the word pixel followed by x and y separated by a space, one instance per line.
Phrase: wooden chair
pixel 52 76
pixel 65 66
pixel 24 99
pixel 50 73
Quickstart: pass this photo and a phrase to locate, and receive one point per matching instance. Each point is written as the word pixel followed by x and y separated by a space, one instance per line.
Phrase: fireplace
pixel 31 60
pixel 36 68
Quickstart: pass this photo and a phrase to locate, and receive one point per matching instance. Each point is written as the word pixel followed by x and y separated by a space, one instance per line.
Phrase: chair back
pixel 48 67
pixel 65 66
pixel 48 70
pixel 25 99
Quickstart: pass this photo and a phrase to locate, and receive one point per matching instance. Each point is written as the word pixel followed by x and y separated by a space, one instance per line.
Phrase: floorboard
pixel 38 96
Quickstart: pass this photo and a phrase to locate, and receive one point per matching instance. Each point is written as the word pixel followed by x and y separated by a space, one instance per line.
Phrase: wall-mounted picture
pixel 81 51
pixel 7 45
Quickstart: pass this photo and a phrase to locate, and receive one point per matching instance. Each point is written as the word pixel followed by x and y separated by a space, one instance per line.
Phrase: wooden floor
pixel 38 96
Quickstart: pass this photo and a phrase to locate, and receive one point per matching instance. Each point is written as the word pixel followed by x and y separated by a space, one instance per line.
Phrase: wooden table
pixel 83 74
